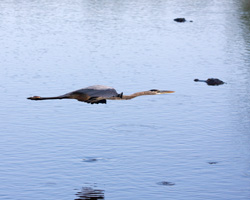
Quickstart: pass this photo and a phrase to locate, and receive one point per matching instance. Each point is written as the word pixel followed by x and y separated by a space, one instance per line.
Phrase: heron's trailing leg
pixel 37 98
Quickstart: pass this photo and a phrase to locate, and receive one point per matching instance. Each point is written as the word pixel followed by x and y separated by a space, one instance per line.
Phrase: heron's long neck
pixel 127 97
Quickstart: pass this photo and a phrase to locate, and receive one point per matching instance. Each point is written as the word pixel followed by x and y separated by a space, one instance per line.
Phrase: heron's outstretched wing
pixel 98 91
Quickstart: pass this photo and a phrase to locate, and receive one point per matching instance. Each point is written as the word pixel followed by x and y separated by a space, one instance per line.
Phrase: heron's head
pixel 155 91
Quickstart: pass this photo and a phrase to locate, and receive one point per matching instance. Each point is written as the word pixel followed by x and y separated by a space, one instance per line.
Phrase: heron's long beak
pixel 165 91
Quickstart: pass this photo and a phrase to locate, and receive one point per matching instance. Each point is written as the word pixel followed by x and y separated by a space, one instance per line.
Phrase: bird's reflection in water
pixel 89 193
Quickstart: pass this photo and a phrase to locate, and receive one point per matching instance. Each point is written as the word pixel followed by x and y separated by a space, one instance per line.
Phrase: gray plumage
pixel 97 91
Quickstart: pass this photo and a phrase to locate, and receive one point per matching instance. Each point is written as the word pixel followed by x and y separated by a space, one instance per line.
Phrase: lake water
pixel 192 144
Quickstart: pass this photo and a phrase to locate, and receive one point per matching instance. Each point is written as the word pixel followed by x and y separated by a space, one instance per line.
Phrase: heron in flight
pixel 99 94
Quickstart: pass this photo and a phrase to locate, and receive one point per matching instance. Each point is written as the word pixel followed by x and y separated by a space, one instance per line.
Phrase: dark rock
pixel 180 19
pixel 212 163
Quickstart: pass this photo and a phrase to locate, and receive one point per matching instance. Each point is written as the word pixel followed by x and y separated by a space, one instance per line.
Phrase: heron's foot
pixel 34 98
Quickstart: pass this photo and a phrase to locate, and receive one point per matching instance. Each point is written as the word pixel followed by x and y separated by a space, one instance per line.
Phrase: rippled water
pixel 193 144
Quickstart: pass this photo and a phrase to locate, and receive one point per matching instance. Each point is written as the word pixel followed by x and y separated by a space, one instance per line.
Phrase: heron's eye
pixel 154 90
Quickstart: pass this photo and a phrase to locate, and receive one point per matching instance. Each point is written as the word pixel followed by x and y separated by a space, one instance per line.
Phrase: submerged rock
pixel 88 193
pixel 212 163
pixel 166 183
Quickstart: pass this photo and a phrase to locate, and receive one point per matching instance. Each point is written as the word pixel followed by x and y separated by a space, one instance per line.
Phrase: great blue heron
pixel 211 81
pixel 99 94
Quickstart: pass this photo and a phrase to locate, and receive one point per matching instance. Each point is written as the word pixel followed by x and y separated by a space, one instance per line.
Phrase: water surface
pixel 197 139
